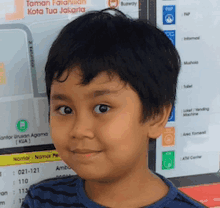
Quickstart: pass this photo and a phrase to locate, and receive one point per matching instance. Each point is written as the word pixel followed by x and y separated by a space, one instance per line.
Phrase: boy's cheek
pixel 59 144
pixel 55 133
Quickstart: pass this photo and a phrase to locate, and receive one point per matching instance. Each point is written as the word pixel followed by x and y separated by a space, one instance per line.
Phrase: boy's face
pixel 84 123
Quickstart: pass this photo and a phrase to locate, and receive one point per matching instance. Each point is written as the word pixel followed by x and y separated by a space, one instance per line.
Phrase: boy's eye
pixel 102 108
pixel 67 110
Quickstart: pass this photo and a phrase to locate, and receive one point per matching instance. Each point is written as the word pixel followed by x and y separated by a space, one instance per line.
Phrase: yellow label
pixel 27 158
pixel 2 74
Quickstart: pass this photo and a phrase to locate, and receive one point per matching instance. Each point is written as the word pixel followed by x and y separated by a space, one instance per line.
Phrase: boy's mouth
pixel 83 156
pixel 85 151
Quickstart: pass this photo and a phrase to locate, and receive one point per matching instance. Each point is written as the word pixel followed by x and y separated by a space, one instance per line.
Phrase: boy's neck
pixel 131 192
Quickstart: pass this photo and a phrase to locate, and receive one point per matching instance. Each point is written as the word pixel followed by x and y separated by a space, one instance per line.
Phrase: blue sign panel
pixel 172 116
pixel 169 15
pixel 171 35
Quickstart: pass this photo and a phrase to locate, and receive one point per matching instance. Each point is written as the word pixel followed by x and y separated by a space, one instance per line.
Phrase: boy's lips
pixel 85 151
pixel 87 156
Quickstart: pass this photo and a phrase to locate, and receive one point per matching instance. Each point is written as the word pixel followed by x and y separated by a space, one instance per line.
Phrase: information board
pixel 187 152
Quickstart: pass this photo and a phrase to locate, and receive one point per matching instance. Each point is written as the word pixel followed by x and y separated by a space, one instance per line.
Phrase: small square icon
pixel 171 34
pixel 168 160
pixel 172 115
pixel 168 137
pixel 169 15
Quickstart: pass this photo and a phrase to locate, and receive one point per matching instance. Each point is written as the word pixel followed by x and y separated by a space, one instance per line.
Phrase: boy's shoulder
pixel 54 192
pixel 55 181
pixel 184 201
pixel 176 198
pixel 68 191
pixel 65 184
pixel 181 200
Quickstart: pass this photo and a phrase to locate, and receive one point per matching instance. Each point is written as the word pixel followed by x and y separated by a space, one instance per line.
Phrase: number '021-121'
pixel 26 171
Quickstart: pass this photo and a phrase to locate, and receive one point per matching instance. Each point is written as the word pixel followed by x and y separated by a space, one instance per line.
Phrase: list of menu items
pixel 192 27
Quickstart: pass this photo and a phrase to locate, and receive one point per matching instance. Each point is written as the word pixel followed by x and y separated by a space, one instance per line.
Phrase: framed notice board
pixel 187 153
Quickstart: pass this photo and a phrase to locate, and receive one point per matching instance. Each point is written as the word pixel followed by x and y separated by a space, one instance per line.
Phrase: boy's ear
pixel 156 125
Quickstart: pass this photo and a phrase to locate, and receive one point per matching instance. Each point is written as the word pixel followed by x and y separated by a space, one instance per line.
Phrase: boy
pixel 130 68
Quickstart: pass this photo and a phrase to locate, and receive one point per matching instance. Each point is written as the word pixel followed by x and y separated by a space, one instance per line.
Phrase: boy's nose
pixel 82 128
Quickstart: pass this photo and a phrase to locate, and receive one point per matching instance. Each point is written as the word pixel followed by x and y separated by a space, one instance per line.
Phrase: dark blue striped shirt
pixel 69 192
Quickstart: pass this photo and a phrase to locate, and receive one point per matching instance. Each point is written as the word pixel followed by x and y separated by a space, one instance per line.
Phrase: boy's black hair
pixel 135 50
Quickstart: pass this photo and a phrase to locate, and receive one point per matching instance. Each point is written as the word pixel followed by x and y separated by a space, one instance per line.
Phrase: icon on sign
pixel 168 15
pixel 172 115
pixel 168 137
pixel 169 18
pixel 171 35
pixel 19 13
pixel 22 125
pixel 113 3
pixel 168 160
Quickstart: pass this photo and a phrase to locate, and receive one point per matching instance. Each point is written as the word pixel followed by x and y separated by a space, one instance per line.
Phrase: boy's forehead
pixel 101 80
pixel 100 85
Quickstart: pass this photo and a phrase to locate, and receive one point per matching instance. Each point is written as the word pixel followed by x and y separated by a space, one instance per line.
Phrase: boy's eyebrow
pixel 90 95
